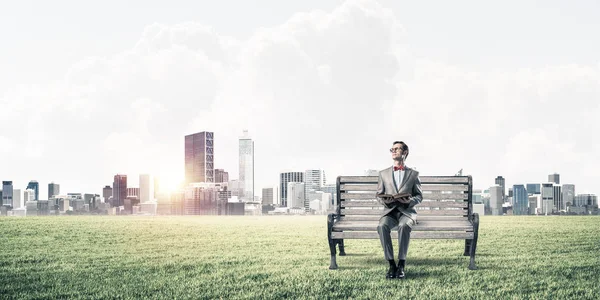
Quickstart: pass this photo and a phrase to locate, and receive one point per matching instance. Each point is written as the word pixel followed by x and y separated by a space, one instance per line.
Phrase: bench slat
pixel 374 203
pixel 424 179
pixel 441 212
pixel 428 196
pixel 394 234
pixel 424 187
pixel 419 218
pixel 421 226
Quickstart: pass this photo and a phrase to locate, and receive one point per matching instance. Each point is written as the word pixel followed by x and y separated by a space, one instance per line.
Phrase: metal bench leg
pixel 341 245
pixel 474 243
pixel 468 247
pixel 332 242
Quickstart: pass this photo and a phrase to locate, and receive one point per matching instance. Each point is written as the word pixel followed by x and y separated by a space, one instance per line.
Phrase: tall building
pixel 314 180
pixel 119 190
pixel 284 179
pixel 267 196
pixel 221 176
pixel 35 186
pixel 559 204
pixel 146 188
pixel 496 200
pixel 295 195
pixel 332 190
pixel 202 198
pixel 520 200
pixel 554 178
pixel 28 195
pixel 534 188
pixel 7 193
pixel 17 199
pixel 199 157
pixel 502 183
pixel 133 192
pixel 547 198
pixel 247 167
pixel 107 192
pixel 53 189
pixel 568 194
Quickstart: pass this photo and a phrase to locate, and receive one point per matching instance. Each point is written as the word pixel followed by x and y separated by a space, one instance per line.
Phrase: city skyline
pixel 312 83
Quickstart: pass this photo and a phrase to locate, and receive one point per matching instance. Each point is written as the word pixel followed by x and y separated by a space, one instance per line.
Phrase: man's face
pixel 396 151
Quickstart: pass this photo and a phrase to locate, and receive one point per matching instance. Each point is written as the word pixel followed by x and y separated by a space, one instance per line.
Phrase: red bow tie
pixel 399 168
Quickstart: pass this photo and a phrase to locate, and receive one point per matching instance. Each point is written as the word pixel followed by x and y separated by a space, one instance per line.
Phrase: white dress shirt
pixel 398 176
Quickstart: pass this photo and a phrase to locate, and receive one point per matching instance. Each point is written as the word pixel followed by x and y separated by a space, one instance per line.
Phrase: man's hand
pixel 404 200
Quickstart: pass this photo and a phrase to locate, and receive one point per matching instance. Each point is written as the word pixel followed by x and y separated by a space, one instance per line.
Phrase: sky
pixel 93 89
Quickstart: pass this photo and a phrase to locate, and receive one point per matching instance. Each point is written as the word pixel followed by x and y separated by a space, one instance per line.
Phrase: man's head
pixel 399 151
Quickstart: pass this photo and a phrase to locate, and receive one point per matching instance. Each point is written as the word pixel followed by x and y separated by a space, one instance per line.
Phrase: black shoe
pixel 391 274
pixel 400 273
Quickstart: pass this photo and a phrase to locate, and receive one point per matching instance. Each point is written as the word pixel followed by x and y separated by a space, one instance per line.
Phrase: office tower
pixel 199 157
pixel 246 156
pixel 221 176
pixel 496 200
pixel 28 195
pixel 554 178
pixel 7 193
pixel 510 192
pixel 520 200
pixel 133 192
pixel 559 204
pixel 17 199
pixel 267 196
pixel 295 195
pixel 35 186
pixel 146 188
pixel 53 189
pixel 501 182
pixel 332 190
pixel 119 190
pixel 314 180
pixel 284 179
pixel 107 192
pixel 568 194
pixel 202 198
pixel 547 198
pixel 533 188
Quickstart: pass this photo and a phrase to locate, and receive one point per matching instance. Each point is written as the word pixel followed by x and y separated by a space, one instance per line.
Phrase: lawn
pixel 207 257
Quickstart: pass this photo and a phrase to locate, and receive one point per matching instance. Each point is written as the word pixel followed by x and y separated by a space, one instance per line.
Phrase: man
pixel 398 179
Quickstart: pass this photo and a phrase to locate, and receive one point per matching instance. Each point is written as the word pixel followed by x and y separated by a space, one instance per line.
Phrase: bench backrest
pixel 444 198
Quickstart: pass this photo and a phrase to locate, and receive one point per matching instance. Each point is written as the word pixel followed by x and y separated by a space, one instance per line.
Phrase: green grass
pixel 287 257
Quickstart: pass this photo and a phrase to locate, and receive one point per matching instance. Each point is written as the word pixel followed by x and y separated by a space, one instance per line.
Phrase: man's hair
pixel 404 147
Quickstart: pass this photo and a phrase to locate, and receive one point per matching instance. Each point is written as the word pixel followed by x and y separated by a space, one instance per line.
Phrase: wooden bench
pixel 446 212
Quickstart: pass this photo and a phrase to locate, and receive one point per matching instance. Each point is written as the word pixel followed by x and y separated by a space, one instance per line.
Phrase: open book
pixel 388 198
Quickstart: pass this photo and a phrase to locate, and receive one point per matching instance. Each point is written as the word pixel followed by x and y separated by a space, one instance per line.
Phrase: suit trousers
pixel 386 224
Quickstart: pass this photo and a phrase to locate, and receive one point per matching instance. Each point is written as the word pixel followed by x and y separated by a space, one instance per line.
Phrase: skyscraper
pixel 554 178
pixel 295 195
pixel 520 199
pixel 221 176
pixel 247 167
pixel 7 193
pixel 568 194
pixel 267 196
pixel 199 157
pixel 559 204
pixel 496 200
pixel 107 192
pixel 53 189
pixel 314 180
pixel 501 182
pixel 534 188
pixel 547 198
pixel 284 179
pixel 146 188
pixel 35 186
pixel 119 190
pixel 18 199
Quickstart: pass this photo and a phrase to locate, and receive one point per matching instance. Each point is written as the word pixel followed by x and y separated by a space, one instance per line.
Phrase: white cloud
pixel 326 90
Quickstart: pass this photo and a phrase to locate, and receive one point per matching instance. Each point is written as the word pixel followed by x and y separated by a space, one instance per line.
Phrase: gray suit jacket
pixel 410 184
